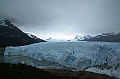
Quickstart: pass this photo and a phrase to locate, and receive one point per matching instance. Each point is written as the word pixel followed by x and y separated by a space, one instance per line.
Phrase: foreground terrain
pixel 22 71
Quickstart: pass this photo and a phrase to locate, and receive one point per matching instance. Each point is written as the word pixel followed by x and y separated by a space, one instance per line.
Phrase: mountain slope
pixel 35 38
pixel 107 37
pixel 10 35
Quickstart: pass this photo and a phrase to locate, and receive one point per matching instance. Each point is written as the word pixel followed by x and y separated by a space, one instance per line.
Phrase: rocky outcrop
pixel 10 35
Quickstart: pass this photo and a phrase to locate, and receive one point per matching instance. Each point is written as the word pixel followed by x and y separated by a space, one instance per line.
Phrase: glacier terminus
pixel 99 57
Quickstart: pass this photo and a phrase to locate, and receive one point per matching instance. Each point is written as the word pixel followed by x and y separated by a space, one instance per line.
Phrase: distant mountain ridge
pixel 107 37
pixel 104 37
pixel 10 35
pixel 83 37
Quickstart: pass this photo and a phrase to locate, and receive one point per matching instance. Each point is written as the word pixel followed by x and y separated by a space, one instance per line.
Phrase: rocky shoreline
pixel 78 74
pixel 23 71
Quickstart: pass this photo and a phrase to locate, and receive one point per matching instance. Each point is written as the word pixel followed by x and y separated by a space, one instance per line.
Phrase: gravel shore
pixel 23 71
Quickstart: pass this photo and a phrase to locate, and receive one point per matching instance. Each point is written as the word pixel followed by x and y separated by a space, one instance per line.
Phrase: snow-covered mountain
pixel 108 37
pixel 34 37
pixel 82 37
pixel 10 35
pixel 108 34
pixel 105 37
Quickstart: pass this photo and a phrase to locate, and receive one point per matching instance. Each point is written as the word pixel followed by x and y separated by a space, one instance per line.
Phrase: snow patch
pixel 31 36
pixel 82 37
pixel 3 23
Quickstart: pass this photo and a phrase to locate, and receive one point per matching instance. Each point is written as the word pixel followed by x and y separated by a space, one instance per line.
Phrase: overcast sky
pixel 62 18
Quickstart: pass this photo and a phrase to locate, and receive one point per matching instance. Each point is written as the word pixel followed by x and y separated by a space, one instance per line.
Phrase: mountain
pixel 10 35
pixel 34 37
pixel 83 37
pixel 107 37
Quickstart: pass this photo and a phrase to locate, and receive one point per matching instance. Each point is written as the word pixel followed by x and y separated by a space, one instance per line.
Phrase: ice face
pixel 100 57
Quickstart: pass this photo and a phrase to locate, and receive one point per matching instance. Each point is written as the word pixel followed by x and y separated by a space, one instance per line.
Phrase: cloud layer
pixel 62 17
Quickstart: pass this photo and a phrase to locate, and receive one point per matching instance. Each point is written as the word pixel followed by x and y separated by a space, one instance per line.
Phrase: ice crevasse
pixel 96 57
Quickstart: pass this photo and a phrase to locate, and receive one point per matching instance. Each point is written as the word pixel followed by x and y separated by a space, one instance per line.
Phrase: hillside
pixel 107 37
pixel 10 35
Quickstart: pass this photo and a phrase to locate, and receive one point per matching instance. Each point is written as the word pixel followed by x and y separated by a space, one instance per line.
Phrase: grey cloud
pixel 66 16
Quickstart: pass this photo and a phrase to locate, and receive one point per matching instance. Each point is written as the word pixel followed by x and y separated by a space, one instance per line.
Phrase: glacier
pixel 99 57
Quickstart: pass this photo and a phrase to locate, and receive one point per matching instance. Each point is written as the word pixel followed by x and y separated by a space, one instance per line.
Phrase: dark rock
pixel 10 35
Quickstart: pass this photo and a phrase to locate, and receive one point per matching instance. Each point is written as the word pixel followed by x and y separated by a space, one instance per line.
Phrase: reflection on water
pixel 31 61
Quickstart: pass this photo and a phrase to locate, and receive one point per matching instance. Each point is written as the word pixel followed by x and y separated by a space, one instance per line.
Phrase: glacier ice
pixel 100 57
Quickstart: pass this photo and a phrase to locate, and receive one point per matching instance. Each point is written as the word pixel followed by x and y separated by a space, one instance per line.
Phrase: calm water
pixel 30 61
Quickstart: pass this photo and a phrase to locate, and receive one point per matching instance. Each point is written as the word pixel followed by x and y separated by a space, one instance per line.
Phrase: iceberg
pixel 99 57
